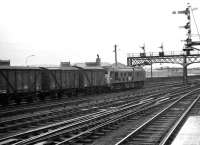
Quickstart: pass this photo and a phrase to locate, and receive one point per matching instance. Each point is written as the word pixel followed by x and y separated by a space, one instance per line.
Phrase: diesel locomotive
pixel 37 83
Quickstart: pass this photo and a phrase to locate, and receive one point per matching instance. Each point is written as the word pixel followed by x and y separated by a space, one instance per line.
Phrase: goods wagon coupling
pixel 37 83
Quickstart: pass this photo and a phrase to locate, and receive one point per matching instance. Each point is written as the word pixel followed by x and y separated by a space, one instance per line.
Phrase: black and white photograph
pixel 99 72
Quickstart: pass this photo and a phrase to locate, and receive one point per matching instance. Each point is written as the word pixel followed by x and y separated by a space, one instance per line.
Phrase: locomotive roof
pixel 19 68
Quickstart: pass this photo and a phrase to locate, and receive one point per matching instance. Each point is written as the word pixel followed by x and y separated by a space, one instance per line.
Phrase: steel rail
pixel 87 117
pixel 121 142
pixel 54 105
pixel 48 126
pixel 40 114
pixel 89 131
pixel 51 126
pixel 59 132
pixel 173 129
pixel 83 122
pixel 112 121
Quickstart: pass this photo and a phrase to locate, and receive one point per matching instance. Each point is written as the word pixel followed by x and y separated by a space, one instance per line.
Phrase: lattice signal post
pixel 186 57
pixel 161 57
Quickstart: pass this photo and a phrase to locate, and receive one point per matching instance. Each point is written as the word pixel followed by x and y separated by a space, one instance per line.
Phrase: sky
pixel 34 32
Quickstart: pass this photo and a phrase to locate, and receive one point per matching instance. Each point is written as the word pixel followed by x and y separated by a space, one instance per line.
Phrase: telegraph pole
pixel 115 51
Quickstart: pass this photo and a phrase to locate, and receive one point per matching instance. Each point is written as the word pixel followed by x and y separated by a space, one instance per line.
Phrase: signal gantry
pixel 187 56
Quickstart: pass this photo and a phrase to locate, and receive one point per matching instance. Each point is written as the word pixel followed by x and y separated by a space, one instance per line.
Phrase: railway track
pixel 77 126
pixel 110 116
pixel 160 128
pixel 13 110
pixel 38 119
pixel 80 102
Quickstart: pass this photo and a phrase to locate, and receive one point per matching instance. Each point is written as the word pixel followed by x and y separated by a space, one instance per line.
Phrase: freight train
pixel 37 83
